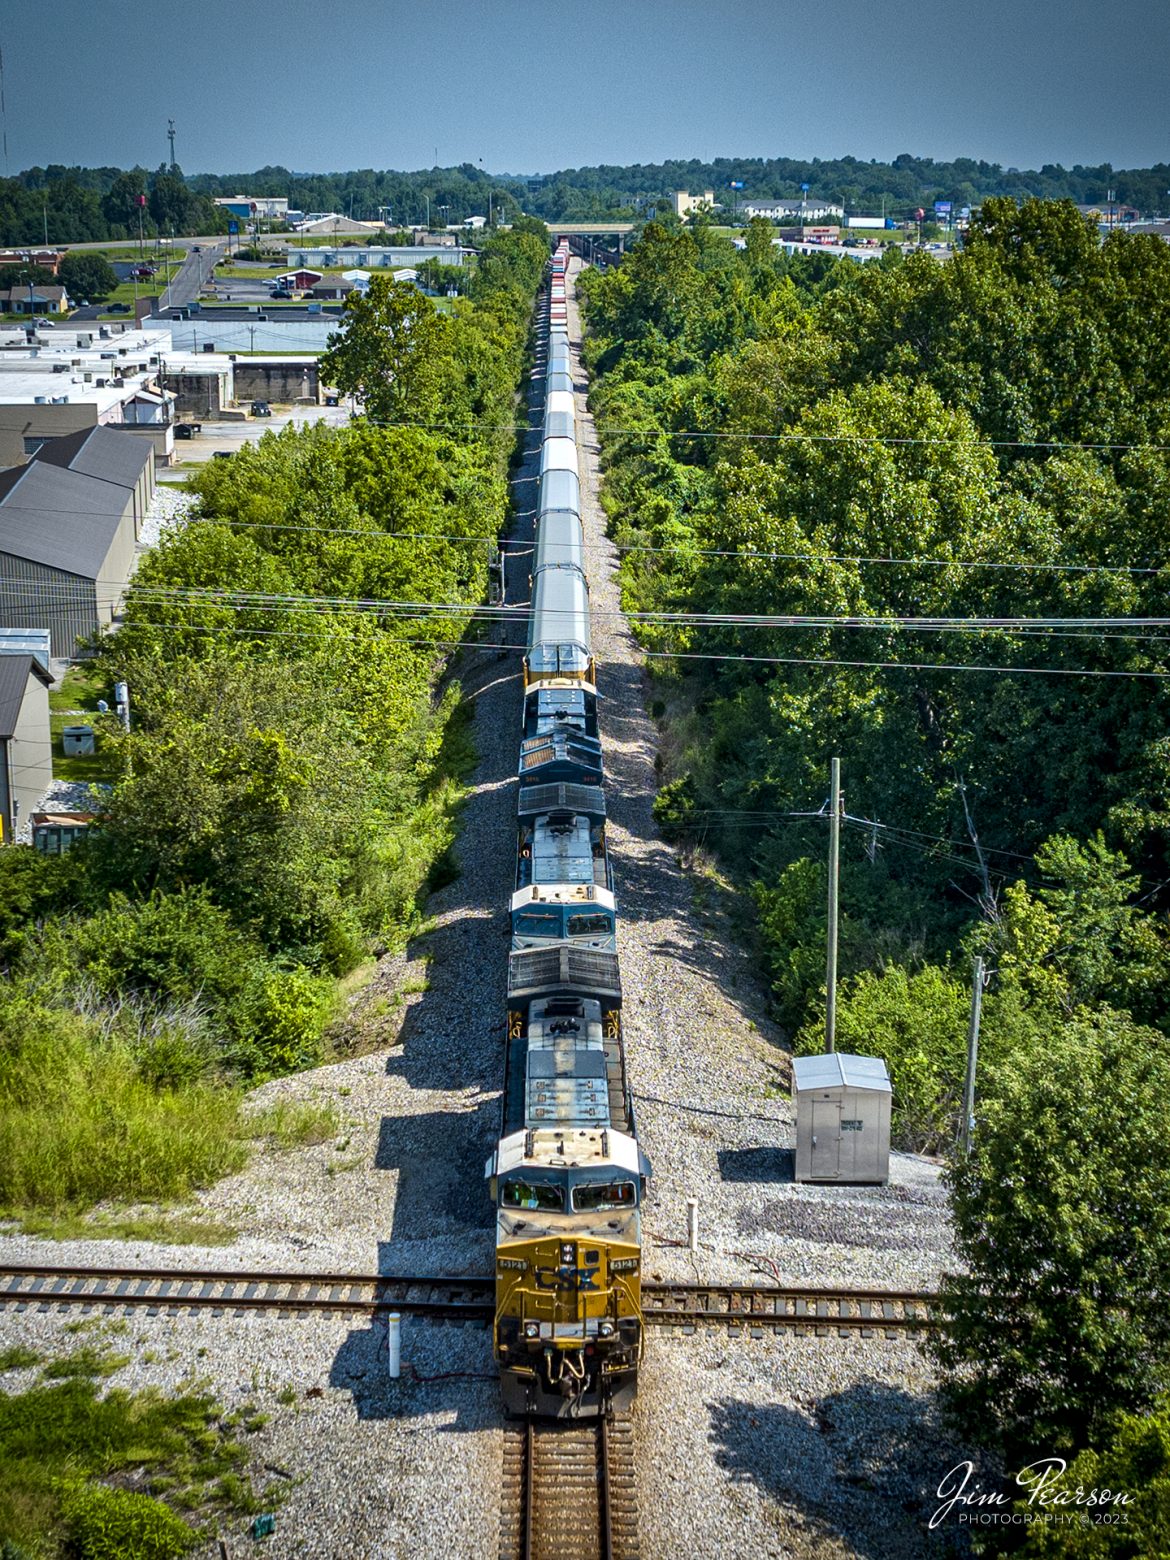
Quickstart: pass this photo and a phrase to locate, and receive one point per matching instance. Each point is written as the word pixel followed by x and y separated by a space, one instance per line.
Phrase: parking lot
pixel 230 437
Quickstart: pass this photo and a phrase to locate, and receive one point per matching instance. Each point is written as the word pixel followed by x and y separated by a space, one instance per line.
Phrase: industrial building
pixel 66 381
pixel 26 744
pixel 69 525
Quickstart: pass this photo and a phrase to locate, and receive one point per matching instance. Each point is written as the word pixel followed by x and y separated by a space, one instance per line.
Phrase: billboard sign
pixel 233 227
pixel 737 184
pixel 942 208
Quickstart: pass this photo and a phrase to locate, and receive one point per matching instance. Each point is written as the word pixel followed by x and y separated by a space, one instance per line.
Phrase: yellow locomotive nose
pixel 568 1314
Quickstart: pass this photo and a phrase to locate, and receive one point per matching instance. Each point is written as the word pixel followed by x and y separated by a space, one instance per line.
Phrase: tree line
pixel 85 204
pixel 289 787
pixel 913 514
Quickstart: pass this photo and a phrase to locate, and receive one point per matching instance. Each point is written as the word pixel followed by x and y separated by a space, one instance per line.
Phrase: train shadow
pixel 872 1492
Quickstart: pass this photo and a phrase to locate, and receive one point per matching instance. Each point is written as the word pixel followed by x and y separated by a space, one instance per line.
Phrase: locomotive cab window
pixel 539 923
pixel 593 925
pixel 604 1197
pixel 537 1196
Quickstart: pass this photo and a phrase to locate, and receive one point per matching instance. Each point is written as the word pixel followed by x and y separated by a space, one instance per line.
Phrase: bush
pixel 108 1524
pixel 917 1023
pixel 280 1021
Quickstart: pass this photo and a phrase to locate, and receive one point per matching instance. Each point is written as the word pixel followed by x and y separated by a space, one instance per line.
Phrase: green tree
pixel 389 353
pixel 170 203
pixel 26 274
pixel 88 276
pixel 122 201
pixel 1134 1462
pixel 1062 1224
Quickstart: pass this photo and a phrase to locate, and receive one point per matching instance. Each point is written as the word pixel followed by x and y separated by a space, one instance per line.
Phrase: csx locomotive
pixel 567 1176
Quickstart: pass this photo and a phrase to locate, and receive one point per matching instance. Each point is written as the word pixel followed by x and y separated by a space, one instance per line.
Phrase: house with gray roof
pixel 26 745
pixel 69 523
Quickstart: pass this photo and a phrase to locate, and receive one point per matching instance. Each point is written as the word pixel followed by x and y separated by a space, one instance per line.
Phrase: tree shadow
pixel 862 1467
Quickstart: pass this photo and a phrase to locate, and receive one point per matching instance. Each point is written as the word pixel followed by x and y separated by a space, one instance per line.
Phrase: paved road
pixel 191 275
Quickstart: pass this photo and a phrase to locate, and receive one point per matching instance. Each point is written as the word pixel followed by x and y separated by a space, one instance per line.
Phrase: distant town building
pixel 69 524
pixel 47 259
pixel 684 204
pixel 376 257
pixel 1103 211
pixel 32 298
pixel 804 211
pixel 331 224
pixel 266 208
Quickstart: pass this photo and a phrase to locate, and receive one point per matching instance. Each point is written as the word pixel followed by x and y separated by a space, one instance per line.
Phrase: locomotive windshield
pixel 536 1195
pixel 605 1197
pixel 592 925
pixel 538 923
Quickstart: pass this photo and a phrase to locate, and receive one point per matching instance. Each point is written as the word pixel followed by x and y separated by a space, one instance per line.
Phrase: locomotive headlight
pixel 532 1329
pixel 568 1252
pixel 605 1330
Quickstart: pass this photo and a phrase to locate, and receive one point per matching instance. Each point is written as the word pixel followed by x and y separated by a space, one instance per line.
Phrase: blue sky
pixel 533 87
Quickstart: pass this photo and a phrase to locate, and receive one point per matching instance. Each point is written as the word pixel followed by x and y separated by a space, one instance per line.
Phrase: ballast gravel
pixel 771 1446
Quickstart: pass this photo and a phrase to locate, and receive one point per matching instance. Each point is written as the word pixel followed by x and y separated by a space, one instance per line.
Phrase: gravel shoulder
pixel 775 1447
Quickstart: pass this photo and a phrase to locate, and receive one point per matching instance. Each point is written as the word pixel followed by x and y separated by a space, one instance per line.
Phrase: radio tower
pixel 171 139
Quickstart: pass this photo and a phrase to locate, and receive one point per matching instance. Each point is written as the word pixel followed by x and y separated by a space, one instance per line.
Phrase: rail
pixel 569 1489
pixel 684 1306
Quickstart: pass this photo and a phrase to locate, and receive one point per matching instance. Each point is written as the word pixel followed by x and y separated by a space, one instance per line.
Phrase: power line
pixel 496 646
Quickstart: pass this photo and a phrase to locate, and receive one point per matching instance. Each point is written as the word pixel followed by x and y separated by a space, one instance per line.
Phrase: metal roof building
pixel 69 524
pixel 842 1118
pixel 26 746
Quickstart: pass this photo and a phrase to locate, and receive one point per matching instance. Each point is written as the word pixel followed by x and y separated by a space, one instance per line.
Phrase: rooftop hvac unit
pixel 63 368
pixel 103 333
pixel 101 383
pixel 40 400
pixel 85 339
pixel 108 355
pixel 60 400
pixel 87 376
pixel 122 351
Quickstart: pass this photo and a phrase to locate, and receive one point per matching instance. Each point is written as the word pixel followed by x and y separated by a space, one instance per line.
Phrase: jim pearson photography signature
pixel 1046 1500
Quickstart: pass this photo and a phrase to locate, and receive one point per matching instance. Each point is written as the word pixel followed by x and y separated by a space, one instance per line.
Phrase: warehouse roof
pixel 15 671
pixel 60 518
pixel 103 453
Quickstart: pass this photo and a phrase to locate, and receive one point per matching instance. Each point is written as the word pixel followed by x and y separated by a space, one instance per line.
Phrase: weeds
pixel 61 1443
pixel 294 1123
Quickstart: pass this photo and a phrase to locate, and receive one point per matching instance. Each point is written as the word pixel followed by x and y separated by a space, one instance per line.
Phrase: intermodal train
pixel 567 1176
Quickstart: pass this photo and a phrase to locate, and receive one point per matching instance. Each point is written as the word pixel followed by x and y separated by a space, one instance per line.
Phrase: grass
pixel 293 1123
pixel 163 1227
pixel 80 689
pixel 116 1475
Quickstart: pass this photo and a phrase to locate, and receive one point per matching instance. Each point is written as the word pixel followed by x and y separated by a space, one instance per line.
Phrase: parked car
pixel 280 292
pixel 222 454
pixel 261 409
pixel 118 308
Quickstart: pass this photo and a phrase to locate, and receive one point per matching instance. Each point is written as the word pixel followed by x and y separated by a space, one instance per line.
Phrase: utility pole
pixel 834 862
pixel 972 1055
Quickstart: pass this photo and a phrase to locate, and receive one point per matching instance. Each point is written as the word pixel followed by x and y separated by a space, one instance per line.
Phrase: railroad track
pixel 685 1307
pixel 568 1491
